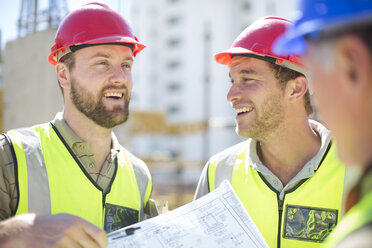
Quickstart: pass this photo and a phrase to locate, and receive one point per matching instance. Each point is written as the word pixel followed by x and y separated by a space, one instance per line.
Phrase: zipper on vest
pixel 103 200
pixel 280 213
pixel 280 207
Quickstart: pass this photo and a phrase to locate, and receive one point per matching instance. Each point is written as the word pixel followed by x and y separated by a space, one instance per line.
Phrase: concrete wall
pixel 31 92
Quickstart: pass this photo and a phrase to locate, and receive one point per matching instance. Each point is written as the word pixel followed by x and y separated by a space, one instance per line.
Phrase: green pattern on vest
pixel 307 214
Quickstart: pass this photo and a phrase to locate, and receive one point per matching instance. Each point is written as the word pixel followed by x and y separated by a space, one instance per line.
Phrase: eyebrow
pixel 105 55
pixel 245 72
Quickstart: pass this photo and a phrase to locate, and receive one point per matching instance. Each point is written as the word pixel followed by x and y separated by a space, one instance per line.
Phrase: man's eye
pixel 102 63
pixel 126 66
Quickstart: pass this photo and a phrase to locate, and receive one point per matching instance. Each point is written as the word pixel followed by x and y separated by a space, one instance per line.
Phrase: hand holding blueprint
pixel 216 220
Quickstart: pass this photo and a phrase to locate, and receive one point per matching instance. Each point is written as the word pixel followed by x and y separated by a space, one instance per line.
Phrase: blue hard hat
pixel 314 16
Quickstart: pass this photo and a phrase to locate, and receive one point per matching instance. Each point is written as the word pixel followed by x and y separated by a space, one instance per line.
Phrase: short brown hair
pixel 284 75
pixel 69 60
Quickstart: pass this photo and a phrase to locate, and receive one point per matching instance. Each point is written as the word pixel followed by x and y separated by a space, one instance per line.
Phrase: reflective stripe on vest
pixel 358 216
pixel 307 214
pixel 51 180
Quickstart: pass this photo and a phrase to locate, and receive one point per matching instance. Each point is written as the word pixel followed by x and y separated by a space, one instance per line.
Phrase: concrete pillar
pixel 31 91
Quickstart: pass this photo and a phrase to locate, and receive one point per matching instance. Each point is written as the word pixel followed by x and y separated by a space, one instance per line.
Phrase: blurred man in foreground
pixel 335 38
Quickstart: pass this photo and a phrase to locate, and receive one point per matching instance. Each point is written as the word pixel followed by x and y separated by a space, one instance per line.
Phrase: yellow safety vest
pixel 358 216
pixel 306 215
pixel 51 180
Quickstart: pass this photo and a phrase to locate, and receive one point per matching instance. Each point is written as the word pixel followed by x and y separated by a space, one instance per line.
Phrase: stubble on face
pixel 93 107
pixel 268 119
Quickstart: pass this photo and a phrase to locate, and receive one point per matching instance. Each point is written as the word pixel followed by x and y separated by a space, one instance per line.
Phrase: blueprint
pixel 216 220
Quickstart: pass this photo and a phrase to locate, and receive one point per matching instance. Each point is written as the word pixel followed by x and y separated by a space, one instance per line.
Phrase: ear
pixel 63 75
pixel 296 88
pixel 353 59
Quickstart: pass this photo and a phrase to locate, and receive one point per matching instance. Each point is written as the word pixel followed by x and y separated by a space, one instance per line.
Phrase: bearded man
pixel 68 181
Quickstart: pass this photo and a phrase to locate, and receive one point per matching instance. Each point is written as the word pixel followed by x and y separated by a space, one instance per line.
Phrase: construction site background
pixel 33 96
pixel 179 115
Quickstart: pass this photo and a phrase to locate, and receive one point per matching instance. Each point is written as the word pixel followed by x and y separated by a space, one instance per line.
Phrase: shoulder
pixel 228 156
pixel 8 179
pixel 138 164
pixel 6 156
pixel 324 133
pixel 27 135
pixel 4 142
pixel 133 159
pixel 360 238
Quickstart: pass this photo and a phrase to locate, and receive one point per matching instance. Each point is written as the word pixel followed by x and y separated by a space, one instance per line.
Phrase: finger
pixel 94 233
pixel 79 236
pixel 67 242
pixel 84 240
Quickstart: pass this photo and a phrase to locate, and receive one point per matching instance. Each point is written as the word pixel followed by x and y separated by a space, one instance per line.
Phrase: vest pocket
pixel 117 217
pixel 309 223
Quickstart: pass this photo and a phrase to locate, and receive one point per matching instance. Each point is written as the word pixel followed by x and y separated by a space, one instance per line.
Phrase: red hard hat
pixel 93 23
pixel 257 40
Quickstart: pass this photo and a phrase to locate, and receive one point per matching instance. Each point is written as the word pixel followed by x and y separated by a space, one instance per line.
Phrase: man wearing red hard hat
pixel 68 180
pixel 286 173
pixel 335 39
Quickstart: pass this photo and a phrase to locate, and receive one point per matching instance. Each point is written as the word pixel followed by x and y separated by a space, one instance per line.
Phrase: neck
pixel 286 152
pixel 98 138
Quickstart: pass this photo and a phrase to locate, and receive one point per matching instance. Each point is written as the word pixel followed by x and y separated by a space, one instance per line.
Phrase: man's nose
pixel 121 77
pixel 234 93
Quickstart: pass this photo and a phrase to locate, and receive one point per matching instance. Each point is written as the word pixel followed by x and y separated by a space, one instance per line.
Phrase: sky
pixel 10 10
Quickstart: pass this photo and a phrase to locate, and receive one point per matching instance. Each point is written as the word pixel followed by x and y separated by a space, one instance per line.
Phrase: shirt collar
pixel 310 167
pixel 70 136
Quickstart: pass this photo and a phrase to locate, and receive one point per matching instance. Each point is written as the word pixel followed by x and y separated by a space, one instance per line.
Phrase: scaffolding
pixel 39 15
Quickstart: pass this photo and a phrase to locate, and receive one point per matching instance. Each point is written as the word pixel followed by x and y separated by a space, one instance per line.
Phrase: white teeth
pixel 243 110
pixel 112 94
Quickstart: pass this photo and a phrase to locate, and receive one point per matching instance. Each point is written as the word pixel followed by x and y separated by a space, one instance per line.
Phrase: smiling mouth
pixel 240 111
pixel 113 95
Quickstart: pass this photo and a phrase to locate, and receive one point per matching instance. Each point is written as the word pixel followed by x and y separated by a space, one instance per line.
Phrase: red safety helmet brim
pixel 257 39
pixel 93 23
pixel 226 57
pixel 137 47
